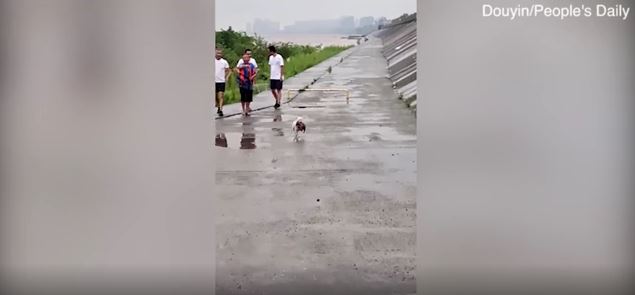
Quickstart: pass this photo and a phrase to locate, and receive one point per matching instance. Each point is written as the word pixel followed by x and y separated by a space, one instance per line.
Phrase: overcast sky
pixel 237 13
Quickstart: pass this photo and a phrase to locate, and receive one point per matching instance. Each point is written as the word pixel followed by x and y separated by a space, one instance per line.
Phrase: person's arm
pixel 255 66
pixel 228 73
pixel 281 68
pixel 253 75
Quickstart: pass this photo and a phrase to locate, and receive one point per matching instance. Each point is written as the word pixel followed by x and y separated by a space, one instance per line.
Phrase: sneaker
pixel 220 113
pixel 276 106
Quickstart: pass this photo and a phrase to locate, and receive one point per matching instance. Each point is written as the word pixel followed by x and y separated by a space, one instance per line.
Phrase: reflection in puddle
pixel 277 118
pixel 221 140
pixel 248 141
pixel 277 132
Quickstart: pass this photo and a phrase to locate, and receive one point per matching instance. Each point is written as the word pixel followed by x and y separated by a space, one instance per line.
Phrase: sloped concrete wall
pixel 400 50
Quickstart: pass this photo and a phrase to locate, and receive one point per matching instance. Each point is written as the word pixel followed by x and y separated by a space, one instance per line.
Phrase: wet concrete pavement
pixel 331 214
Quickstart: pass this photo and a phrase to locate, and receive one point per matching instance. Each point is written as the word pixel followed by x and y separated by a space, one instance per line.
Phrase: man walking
pixel 276 63
pixel 222 74
pixel 246 76
pixel 252 61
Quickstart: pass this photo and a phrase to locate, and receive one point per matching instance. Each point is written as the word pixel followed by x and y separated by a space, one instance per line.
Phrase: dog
pixel 298 126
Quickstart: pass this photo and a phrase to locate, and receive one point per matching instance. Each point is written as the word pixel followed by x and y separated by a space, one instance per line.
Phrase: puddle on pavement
pixel 308 107
pixel 273 128
pixel 345 71
pixel 277 131
pixel 221 140
pixel 377 133
pixel 283 118
pixel 237 140
pixel 248 141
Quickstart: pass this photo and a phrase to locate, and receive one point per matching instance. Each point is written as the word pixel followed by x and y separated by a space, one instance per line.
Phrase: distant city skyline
pixel 287 12
pixel 341 25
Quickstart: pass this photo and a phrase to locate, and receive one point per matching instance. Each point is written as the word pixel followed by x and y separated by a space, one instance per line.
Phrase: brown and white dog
pixel 298 126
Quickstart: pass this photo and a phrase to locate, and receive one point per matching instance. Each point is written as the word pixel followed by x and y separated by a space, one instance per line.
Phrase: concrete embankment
pixel 400 50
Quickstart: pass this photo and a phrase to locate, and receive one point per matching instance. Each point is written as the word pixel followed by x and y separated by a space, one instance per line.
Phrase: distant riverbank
pixel 311 39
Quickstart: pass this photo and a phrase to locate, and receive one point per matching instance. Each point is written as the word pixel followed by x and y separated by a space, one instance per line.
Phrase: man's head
pixel 272 49
pixel 219 53
pixel 248 52
pixel 246 58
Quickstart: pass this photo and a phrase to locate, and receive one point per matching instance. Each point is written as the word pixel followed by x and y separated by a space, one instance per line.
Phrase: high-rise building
pixel 367 21
pixel 314 27
pixel 347 25
pixel 263 26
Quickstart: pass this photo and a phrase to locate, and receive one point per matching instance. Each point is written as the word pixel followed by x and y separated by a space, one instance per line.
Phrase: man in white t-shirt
pixel 276 62
pixel 222 70
pixel 251 61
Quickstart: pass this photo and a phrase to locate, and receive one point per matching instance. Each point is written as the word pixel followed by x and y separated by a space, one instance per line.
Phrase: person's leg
pixel 250 97
pixel 216 98
pixel 273 90
pixel 221 100
pixel 217 103
pixel 221 96
pixel 249 107
pixel 243 104
pixel 278 91
pixel 276 95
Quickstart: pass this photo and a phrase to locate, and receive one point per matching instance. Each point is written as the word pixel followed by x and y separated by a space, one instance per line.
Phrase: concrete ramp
pixel 333 213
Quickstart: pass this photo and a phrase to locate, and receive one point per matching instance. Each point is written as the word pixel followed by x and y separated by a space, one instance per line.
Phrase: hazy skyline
pixel 238 13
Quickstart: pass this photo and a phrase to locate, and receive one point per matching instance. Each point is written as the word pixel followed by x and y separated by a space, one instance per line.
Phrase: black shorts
pixel 246 95
pixel 220 87
pixel 275 84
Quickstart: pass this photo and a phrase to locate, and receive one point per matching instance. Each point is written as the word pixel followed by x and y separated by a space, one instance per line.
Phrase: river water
pixel 311 39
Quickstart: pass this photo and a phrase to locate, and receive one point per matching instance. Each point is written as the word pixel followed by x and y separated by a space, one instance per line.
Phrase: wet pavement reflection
pixel 248 138
pixel 277 131
pixel 348 184
pixel 248 141
pixel 221 140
